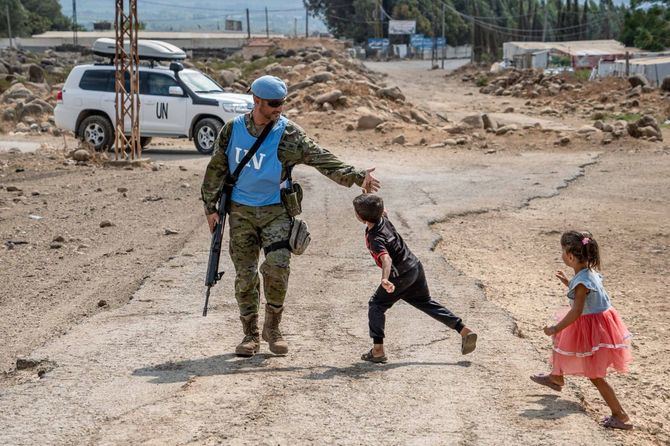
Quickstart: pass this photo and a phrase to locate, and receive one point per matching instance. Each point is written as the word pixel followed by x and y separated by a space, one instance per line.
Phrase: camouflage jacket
pixel 295 147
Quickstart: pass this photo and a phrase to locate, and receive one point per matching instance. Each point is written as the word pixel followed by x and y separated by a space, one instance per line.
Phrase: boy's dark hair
pixel 369 207
pixel 583 246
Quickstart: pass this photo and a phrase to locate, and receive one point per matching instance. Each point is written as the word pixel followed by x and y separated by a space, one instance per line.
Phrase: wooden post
pixel 248 26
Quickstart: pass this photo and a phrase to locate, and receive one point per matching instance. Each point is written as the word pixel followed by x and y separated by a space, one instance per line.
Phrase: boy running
pixel 402 278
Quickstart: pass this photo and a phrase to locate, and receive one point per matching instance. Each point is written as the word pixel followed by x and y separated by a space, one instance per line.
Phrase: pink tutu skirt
pixel 592 345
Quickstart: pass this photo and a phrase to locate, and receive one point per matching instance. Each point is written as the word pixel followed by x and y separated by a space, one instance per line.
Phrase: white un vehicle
pixel 174 101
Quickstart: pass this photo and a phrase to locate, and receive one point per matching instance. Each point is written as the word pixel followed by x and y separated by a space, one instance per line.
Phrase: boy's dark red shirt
pixel 383 238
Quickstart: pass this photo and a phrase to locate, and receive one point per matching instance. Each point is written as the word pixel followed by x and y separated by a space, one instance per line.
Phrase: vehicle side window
pixel 159 84
pixel 97 80
pixel 101 80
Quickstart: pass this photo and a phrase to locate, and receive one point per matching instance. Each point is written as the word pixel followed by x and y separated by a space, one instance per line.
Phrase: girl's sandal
pixel 545 380
pixel 612 422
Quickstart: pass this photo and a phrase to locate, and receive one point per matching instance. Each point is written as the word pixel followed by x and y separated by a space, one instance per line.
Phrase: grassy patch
pixel 4 85
pixel 628 117
pixel 582 75
pixel 481 81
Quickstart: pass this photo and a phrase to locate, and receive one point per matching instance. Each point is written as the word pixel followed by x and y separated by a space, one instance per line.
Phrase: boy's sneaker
pixel 469 343
pixel 372 358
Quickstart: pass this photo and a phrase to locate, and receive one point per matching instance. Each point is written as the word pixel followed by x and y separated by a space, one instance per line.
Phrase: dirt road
pixel 150 370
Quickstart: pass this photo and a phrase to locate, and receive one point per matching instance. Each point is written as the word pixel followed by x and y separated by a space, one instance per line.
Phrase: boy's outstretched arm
pixel 387 263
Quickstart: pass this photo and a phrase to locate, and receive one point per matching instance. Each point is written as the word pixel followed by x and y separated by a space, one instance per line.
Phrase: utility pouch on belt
pixel 298 239
pixel 291 197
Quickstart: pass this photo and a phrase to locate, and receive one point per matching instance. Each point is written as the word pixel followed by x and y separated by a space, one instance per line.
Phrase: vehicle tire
pixel 205 133
pixel 145 141
pixel 97 130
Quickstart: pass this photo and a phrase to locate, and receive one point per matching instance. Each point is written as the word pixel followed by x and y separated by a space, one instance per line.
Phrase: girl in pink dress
pixel 590 338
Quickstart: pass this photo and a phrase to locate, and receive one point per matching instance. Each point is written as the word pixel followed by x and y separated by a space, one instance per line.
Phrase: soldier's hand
pixel 370 183
pixel 212 220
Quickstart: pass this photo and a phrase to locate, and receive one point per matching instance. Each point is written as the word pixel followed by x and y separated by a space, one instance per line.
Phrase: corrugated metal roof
pixel 578 47
pixel 650 60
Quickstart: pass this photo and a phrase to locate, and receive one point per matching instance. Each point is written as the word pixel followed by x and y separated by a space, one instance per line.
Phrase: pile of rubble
pixel 329 87
pixel 524 83
pixel 28 84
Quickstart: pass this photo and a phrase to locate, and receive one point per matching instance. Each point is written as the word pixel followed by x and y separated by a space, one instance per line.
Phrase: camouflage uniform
pixel 252 228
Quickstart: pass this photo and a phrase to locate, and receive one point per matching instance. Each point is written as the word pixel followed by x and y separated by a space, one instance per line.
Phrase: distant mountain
pixel 284 16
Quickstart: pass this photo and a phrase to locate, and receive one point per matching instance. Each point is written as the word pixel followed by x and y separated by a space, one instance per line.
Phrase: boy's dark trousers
pixel 410 286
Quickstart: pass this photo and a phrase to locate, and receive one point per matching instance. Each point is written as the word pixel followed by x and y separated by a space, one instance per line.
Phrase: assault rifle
pixel 213 274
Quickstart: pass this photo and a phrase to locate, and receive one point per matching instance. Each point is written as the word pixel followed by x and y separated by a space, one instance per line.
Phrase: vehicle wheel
pixel 205 133
pixel 97 131
pixel 145 141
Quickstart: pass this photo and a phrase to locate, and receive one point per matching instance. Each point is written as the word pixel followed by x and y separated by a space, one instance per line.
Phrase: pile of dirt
pixel 327 87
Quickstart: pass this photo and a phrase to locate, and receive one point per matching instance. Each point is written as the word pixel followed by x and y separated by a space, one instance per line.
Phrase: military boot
pixel 251 343
pixel 271 332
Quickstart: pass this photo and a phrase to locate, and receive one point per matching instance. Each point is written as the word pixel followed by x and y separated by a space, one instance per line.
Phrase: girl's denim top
pixel 597 299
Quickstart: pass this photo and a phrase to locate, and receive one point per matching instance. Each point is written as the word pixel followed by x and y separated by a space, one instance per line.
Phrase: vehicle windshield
pixel 199 83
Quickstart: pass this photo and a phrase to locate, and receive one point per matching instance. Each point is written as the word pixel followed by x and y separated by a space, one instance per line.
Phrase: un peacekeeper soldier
pixel 258 219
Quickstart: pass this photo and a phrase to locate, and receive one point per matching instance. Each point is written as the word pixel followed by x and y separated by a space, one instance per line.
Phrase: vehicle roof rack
pixel 153 50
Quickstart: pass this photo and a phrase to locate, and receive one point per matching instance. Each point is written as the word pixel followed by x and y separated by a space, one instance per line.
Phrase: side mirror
pixel 176 67
pixel 176 91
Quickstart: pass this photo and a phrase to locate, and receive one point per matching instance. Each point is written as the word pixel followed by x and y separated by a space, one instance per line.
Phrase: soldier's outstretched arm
pixel 217 169
pixel 301 149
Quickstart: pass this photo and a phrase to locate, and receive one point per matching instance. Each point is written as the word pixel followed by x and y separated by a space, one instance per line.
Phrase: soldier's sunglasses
pixel 276 103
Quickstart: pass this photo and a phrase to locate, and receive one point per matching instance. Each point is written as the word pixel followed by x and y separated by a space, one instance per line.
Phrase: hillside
pixel 209 15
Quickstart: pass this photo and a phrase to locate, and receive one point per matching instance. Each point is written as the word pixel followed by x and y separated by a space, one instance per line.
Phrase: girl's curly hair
pixel 583 246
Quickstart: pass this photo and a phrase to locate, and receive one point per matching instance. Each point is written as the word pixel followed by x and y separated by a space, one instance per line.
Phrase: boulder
pixel 8 115
pixel 46 107
pixel 35 73
pixel 400 139
pixel 474 121
pixel 368 122
pixel 323 76
pixel 419 117
pixel 227 78
pixel 506 129
pixel 488 122
pixel 299 85
pixel 30 109
pixel 665 85
pixel 638 80
pixel 81 155
pixel 393 93
pixel 16 91
pixel 331 97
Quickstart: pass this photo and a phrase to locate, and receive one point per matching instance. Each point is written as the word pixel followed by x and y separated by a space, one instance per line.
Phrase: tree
pixel 647 29
pixel 30 17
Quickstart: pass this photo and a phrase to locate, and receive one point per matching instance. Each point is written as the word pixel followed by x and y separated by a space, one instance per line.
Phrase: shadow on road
pixel 553 408
pixel 229 363
pixel 171 154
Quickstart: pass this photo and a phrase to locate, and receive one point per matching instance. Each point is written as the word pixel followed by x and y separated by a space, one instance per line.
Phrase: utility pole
pixel 9 25
pixel 444 40
pixel 544 27
pixel 306 22
pixel 248 27
pixel 295 27
pixel 472 31
pixel 75 38
pixel 267 24
pixel 126 64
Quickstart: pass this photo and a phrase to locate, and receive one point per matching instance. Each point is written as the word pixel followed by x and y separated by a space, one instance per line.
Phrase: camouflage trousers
pixel 251 229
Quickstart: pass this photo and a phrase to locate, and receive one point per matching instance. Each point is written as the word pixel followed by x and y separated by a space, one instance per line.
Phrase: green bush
pixel 482 81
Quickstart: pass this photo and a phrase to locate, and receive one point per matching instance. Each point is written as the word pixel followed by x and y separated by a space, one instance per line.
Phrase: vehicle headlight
pixel 237 107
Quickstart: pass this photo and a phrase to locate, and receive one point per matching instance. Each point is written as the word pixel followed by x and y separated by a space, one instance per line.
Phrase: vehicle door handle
pixel 150 102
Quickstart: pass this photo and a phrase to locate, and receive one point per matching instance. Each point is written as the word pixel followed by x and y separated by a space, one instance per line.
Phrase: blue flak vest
pixel 259 181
